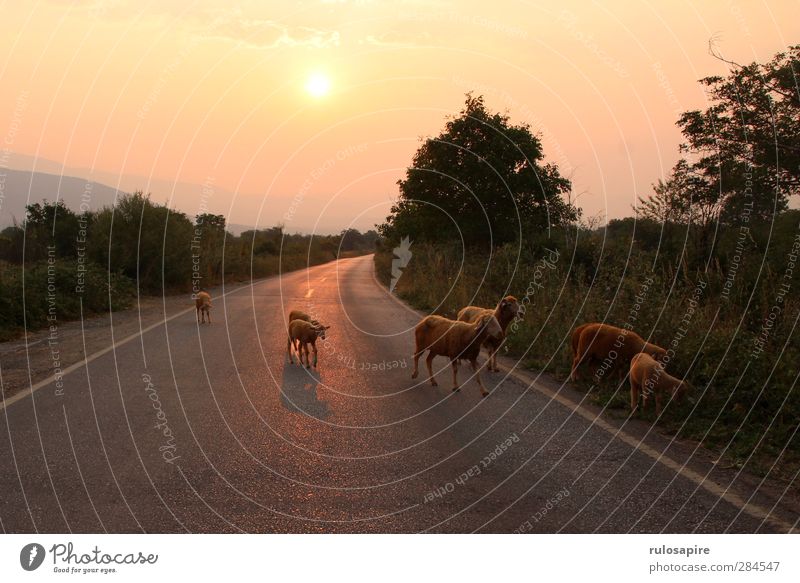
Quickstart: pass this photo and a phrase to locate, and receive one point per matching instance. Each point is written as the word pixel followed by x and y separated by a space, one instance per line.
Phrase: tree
pixel 49 224
pixel 208 244
pixel 746 141
pixel 145 241
pixel 482 179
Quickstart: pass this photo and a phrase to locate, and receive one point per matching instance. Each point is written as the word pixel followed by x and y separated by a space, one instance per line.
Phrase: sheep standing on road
pixel 202 304
pixel 299 315
pixel 302 334
pixel 608 345
pixel 455 340
pixel 504 313
pixel 648 377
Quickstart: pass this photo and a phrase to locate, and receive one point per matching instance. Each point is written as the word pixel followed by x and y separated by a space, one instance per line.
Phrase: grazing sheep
pixel 202 305
pixel 576 337
pixel 648 377
pixel 608 344
pixel 504 313
pixel 455 340
pixel 304 333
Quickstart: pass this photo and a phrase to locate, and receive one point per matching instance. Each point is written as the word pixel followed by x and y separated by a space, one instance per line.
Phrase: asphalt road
pixel 208 429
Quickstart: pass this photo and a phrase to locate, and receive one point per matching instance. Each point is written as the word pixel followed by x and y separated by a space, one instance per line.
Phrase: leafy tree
pixel 482 179
pixel 147 242
pixel 746 141
pixel 50 224
pixel 208 244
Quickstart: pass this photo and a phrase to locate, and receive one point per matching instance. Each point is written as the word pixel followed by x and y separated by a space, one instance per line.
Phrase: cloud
pixel 209 19
pixel 269 34
pixel 395 38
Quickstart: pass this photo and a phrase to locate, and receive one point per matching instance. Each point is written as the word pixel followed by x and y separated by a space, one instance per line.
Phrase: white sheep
pixel 455 340
pixel 504 313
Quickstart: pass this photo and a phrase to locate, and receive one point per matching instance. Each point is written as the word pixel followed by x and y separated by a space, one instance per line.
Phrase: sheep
pixel 648 377
pixel 605 343
pixel 202 305
pixel 299 315
pixel 504 313
pixel 304 333
pixel 456 340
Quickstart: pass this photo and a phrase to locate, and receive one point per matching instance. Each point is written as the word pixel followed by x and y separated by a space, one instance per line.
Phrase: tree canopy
pixel 482 178
pixel 744 149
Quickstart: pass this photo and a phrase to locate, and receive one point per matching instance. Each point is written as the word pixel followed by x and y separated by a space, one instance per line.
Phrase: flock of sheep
pixel 476 327
pixel 593 343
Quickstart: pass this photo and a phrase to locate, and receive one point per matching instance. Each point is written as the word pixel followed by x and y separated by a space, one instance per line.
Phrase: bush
pixel 50 294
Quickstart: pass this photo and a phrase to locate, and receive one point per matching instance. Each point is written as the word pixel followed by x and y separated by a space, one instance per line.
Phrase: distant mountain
pixel 22 187
pixel 21 175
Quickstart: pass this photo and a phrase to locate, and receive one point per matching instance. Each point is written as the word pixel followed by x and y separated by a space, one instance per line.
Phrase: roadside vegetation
pixel 708 265
pixel 60 265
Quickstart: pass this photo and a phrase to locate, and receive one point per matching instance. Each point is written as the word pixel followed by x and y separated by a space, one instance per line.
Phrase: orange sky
pixel 213 92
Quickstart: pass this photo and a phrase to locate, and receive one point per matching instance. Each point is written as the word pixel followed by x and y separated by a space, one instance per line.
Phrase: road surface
pixel 189 428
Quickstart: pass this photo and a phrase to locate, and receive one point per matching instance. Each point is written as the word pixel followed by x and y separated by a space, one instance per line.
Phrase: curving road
pixel 208 429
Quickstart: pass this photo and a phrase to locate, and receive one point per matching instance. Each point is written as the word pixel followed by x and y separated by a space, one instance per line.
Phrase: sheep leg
pixel 314 347
pixel 305 349
pixel 416 363
pixel 429 362
pixel 635 391
pixel 493 358
pixel 289 345
pixel 576 362
pixel 477 370
pixel 454 364
pixel 209 315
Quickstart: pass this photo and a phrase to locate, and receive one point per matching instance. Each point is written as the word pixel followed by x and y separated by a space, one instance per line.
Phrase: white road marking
pixel 310 292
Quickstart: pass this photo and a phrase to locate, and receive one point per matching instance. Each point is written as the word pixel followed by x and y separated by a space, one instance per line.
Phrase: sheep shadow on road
pixel 299 391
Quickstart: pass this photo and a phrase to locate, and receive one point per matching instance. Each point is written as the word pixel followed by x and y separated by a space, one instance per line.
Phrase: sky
pixel 307 113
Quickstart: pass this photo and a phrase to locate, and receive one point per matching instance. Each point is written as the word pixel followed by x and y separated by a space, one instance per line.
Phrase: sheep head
pixel 508 307
pixel 320 330
pixel 680 390
pixel 658 353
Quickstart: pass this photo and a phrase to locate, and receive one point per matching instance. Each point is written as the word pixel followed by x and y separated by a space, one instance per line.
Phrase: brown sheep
pixel 302 334
pixel 202 305
pixel 299 315
pixel 455 340
pixel 606 343
pixel 504 313
pixel 648 377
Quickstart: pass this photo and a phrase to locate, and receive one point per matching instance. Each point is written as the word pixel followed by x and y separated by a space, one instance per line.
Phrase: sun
pixel 318 85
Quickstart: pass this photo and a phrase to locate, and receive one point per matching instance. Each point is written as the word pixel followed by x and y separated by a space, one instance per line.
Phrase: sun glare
pixel 318 85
